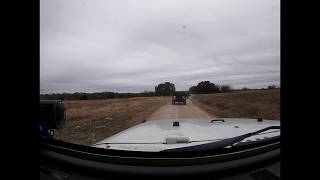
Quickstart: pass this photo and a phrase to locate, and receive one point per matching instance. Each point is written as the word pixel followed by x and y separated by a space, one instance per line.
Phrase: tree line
pixel 162 89
pixel 207 87
pixel 165 89
pixel 96 95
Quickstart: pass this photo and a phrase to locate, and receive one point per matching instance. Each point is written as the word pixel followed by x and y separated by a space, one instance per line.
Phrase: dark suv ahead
pixel 180 97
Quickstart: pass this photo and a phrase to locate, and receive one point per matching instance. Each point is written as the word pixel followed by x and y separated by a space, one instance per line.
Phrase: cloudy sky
pixel 133 45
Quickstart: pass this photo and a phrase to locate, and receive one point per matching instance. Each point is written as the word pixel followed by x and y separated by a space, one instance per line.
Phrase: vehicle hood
pixel 160 135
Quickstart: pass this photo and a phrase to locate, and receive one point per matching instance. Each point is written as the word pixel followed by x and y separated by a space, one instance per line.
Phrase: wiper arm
pixel 129 143
pixel 219 144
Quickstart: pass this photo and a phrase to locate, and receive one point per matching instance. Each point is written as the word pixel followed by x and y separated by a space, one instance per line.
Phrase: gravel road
pixel 179 111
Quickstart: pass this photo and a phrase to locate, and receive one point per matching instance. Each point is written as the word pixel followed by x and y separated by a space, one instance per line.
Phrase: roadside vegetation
pixel 91 121
pixel 243 104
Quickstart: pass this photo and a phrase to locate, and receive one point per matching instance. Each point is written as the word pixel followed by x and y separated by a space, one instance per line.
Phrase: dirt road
pixel 169 111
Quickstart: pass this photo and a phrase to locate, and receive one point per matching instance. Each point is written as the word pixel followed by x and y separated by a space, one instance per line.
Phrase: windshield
pixel 159 75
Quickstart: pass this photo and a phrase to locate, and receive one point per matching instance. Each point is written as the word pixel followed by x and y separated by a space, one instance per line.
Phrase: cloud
pixel 131 46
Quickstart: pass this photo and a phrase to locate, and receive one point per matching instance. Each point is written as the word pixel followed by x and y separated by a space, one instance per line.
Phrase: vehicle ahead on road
pixel 179 97
pixel 230 148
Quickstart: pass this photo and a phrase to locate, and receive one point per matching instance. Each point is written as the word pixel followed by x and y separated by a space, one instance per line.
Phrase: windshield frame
pixel 78 160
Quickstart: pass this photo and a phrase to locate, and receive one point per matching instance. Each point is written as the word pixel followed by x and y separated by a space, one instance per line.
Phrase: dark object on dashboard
pixel 216 120
pixel 53 113
pixel 176 123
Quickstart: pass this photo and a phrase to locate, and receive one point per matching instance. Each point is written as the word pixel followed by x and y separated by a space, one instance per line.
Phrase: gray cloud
pixel 130 46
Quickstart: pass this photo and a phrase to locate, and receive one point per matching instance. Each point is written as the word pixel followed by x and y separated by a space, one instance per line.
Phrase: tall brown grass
pixel 248 104
pixel 90 121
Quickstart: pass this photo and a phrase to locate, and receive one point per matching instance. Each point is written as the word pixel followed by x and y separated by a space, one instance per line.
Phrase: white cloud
pixel 109 45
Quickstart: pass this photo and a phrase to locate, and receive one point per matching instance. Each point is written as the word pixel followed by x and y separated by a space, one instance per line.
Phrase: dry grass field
pixel 246 104
pixel 90 121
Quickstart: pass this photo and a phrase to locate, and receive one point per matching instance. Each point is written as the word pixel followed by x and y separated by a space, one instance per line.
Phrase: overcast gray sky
pixel 133 45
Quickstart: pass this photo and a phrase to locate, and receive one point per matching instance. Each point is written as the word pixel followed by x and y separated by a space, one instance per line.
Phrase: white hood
pixel 161 134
